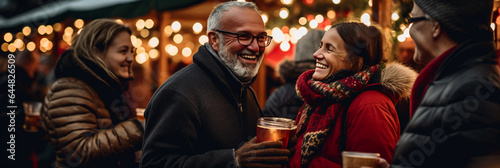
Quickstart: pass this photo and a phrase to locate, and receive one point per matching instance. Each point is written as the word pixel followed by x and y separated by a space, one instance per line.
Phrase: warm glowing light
pixel 139 25
pixel 395 16
pixel 294 40
pixel 336 2
pixel 153 42
pixel 370 3
pixel 176 26
pixel 365 18
pixel 68 31
pixel 67 38
pixel 5 47
pixel 203 39
pixel 42 49
pixel 319 18
pixel 186 52
pixel 309 2
pixel 285 46
pixel 407 32
pixel 7 37
pixel 12 48
pixel 493 26
pixel 79 23
pixel 44 42
pixel 18 43
pixel 149 23
pixel 178 38
pixel 144 33
pixel 49 29
pixel 49 45
pixel 287 37
pixel 402 26
pixel 278 35
pixel 26 30
pixel 301 32
pixel 264 18
pixel 286 2
pixel 141 58
pixel 119 21
pixel 31 46
pixel 154 53
pixel 137 43
pixel 292 31
pixel 197 28
pixel 41 29
pixel 284 13
pixel 168 30
pixel 171 49
pixel 57 27
pixel 401 38
pixel 79 31
pixel 331 14
pixel 140 50
pixel 313 24
pixel 133 38
pixel 302 21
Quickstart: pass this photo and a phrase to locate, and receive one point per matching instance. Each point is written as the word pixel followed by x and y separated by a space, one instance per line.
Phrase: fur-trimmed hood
pixel 398 79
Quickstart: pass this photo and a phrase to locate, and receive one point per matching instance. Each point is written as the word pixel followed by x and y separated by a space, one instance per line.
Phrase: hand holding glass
pixel 275 129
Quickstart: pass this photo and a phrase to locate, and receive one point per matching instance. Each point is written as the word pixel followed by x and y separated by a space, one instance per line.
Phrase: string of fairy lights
pixel 285 25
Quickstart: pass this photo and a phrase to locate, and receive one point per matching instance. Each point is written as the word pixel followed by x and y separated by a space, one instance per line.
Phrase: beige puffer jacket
pixel 81 130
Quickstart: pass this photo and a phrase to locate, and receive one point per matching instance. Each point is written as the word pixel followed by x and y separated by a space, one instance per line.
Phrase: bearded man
pixel 205 115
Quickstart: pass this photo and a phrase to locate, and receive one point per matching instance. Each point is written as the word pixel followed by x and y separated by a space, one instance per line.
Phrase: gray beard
pixel 242 71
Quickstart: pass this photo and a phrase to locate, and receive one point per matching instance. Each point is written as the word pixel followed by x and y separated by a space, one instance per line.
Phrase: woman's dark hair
pixel 362 41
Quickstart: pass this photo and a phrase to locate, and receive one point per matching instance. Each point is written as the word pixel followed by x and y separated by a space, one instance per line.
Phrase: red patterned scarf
pixel 323 105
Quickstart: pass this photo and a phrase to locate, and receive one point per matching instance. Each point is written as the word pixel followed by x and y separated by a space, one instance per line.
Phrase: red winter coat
pixel 372 121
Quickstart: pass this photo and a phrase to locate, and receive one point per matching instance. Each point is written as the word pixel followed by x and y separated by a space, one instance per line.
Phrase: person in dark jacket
pixel 205 115
pixel 284 102
pixel 85 115
pixel 455 102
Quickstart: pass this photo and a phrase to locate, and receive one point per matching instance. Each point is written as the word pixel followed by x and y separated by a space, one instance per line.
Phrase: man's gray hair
pixel 216 15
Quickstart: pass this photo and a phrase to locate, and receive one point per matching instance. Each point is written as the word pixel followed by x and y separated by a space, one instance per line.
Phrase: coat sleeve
pixel 372 125
pixel 172 129
pixel 69 117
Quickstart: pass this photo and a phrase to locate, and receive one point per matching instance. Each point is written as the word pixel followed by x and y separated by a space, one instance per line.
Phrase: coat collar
pixel 465 55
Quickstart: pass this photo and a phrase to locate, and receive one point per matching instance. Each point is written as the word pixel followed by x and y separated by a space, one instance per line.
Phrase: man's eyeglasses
pixel 247 39
pixel 416 19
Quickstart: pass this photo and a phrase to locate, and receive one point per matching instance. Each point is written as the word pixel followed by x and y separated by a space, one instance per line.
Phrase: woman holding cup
pixel 85 115
pixel 349 98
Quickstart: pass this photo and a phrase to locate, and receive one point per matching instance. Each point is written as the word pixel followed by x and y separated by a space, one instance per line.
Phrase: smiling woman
pixel 349 98
pixel 85 114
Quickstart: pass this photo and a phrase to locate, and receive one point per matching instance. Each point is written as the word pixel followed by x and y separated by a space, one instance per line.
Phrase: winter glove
pixel 262 155
pixel 291 144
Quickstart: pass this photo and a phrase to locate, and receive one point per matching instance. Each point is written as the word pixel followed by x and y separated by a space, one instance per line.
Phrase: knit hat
pixel 464 18
pixel 307 45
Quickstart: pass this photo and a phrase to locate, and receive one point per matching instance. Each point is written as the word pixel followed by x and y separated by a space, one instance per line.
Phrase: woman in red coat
pixel 352 91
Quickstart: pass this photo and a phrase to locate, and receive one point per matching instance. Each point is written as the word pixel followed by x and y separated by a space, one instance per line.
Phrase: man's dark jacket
pixel 199 116
pixel 457 124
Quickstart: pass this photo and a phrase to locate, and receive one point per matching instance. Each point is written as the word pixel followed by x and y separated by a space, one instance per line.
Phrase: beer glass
pixel 275 129
pixel 32 116
pixel 359 159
